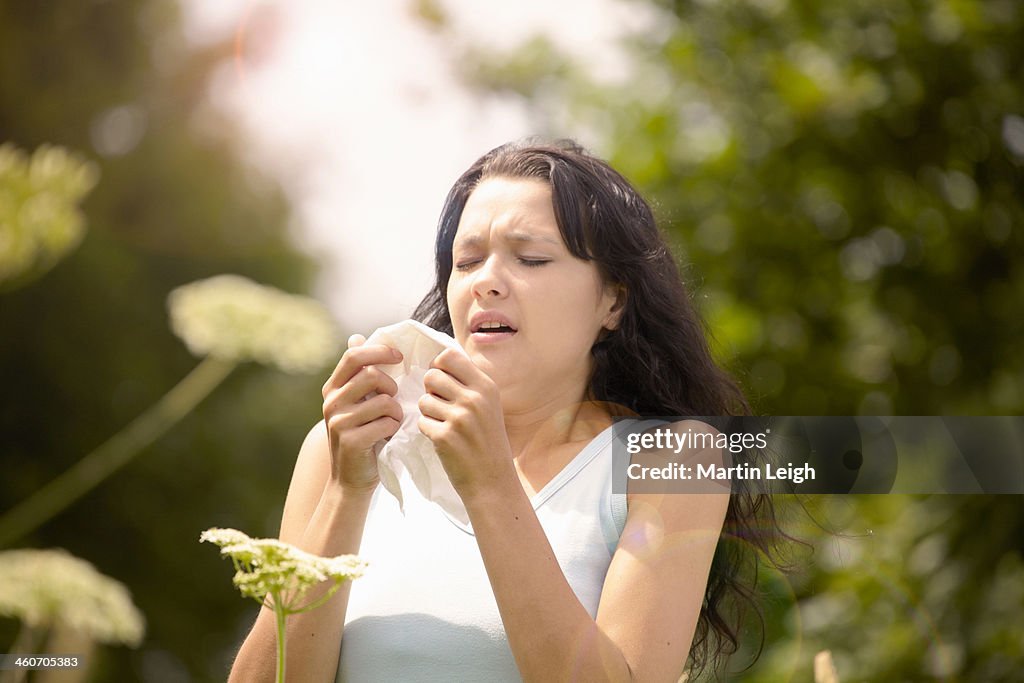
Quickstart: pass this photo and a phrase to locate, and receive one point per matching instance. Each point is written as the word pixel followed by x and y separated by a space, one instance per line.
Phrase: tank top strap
pixel 621 460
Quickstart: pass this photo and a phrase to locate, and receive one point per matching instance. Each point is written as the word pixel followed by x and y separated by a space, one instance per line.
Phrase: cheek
pixel 569 324
pixel 583 305
pixel 456 303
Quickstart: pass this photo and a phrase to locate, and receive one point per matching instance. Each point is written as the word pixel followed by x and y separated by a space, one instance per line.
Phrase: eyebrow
pixel 515 236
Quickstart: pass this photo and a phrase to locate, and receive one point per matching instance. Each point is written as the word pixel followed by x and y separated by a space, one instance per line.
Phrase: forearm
pixel 552 636
pixel 313 638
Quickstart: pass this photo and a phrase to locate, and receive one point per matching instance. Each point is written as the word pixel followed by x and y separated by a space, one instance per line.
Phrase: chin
pixel 501 373
pixel 492 370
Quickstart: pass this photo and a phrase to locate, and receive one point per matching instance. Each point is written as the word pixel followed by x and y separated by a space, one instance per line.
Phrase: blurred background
pixel 843 182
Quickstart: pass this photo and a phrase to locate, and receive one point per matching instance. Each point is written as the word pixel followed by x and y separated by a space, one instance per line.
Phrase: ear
pixel 618 294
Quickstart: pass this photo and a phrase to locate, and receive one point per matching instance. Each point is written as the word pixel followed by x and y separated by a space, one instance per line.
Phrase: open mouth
pixel 494 328
pixel 487 327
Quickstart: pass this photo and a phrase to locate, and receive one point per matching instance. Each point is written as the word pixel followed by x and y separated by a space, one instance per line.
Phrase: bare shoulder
pixel 312 469
pixel 316 439
pixel 685 445
pixel 679 506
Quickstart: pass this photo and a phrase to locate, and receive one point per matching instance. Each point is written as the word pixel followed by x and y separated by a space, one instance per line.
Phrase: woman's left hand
pixel 462 415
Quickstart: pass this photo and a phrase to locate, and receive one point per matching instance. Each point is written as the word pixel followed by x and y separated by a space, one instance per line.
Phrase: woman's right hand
pixel 359 410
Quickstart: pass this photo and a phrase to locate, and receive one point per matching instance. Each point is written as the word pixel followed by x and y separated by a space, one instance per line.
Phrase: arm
pixel 655 584
pixel 325 512
pixel 649 605
pixel 324 520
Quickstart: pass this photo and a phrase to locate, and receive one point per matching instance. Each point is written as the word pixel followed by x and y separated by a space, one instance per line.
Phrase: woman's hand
pixel 462 415
pixel 359 410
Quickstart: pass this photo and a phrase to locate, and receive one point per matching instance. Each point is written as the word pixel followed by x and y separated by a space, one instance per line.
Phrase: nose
pixel 490 279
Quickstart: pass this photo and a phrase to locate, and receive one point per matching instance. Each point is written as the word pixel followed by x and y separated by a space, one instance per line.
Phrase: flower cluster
pixel 233 318
pixel 45 587
pixel 39 217
pixel 267 566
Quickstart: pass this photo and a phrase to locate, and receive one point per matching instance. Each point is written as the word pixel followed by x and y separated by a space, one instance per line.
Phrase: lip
pixel 482 317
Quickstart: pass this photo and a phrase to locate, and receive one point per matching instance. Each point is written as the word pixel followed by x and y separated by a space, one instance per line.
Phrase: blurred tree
pixel 846 179
pixel 88 347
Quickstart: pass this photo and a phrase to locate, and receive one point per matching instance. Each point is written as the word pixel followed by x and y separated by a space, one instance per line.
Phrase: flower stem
pixel 115 452
pixel 319 601
pixel 281 616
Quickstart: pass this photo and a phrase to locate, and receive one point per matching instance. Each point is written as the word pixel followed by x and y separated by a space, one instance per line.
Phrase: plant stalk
pixel 281 616
pixel 115 452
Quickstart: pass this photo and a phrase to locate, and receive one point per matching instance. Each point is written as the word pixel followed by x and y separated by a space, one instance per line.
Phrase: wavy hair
pixel 655 363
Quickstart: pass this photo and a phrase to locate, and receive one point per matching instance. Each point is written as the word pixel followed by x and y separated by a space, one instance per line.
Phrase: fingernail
pixel 396 354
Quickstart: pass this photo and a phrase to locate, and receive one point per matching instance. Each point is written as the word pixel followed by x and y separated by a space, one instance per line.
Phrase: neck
pixel 556 420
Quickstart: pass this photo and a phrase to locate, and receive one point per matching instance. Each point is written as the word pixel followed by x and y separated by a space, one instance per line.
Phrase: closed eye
pixel 528 262
pixel 465 265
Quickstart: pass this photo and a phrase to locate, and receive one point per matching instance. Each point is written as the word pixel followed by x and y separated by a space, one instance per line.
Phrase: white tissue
pixel 409 450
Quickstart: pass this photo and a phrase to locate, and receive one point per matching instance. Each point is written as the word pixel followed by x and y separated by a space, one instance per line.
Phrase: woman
pixel 553 277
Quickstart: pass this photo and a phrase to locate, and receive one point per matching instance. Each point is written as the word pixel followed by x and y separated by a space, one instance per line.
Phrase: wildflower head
pixel 39 217
pixel 233 318
pixel 45 587
pixel 267 566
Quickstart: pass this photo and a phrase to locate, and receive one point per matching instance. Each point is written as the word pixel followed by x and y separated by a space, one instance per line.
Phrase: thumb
pixel 356 340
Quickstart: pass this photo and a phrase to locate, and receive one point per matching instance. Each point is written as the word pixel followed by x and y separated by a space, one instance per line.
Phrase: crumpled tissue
pixel 409 450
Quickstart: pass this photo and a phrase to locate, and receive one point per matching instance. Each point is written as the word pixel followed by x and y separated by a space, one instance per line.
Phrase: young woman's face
pixel 525 309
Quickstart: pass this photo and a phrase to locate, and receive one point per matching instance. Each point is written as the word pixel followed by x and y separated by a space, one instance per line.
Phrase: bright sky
pixel 355 108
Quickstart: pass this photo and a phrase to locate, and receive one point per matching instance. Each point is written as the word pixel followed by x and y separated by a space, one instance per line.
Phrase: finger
pixel 458 366
pixel 374 408
pixel 358 357
pixel 370 379
pixel 429 427
pixel 433 407
pixel 368 382
pixel 381 428
pixel 364 436
pixel 353 341
pixel 441 384
pixel 352 417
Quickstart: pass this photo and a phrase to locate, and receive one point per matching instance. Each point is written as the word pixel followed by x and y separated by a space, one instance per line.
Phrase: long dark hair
pixel 655 363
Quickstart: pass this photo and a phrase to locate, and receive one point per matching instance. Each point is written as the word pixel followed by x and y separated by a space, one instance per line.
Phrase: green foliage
pixel 843 182
pixel 899 588
pixel 845 178
pixel 88 347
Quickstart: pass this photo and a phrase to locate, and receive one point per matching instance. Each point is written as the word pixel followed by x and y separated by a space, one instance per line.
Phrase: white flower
pixel 267 566
pixel 223 537
pixel 233 318
pixel 39 217
pixel 43 587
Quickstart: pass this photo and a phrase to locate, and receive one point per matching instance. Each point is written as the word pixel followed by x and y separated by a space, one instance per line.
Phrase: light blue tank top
pixel 424 610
